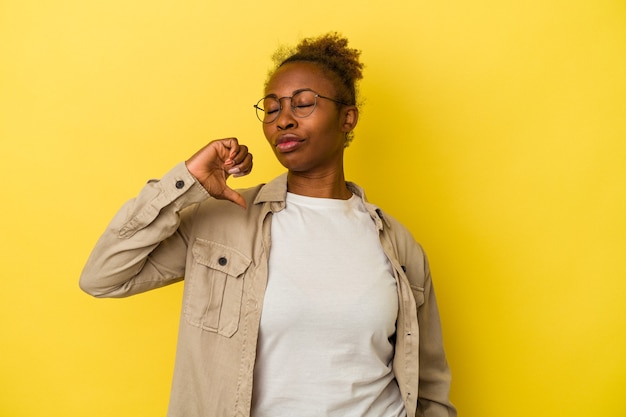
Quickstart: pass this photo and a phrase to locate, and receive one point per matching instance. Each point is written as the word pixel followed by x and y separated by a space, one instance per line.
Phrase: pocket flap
pixel 219 257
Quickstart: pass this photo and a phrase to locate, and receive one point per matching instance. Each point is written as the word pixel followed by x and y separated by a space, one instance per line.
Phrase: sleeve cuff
pixel 179 181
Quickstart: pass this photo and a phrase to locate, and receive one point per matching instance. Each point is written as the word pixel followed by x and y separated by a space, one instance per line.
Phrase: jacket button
pixel 180 184
pixel 222 261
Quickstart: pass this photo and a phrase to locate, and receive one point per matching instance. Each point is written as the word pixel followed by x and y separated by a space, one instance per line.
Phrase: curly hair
pixel 331 52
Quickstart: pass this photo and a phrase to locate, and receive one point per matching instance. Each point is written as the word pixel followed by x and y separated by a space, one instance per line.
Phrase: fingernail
pixel 234 170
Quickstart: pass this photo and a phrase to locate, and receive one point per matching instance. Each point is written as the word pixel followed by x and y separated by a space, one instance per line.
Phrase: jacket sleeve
pixel 434 372
pixel 434 377
pixel 144 247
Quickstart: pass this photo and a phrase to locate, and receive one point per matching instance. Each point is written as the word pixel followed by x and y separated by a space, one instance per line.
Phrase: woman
pixel 307 301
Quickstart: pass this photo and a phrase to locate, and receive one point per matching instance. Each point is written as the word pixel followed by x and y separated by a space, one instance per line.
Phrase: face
pixel 313 144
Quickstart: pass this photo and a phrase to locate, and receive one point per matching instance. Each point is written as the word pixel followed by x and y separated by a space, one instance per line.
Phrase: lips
pixel 288 142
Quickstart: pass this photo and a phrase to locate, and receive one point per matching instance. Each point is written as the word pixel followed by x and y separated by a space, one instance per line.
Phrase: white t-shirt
pixel 329 311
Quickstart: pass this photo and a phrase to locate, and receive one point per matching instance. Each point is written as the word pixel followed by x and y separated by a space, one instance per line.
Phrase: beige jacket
pixel 174 230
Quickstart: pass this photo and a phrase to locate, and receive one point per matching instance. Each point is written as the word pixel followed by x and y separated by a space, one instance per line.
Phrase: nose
pixel 286 118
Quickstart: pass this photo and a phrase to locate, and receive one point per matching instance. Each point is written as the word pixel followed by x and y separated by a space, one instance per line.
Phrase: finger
pixel 234 196
pixel 232 144
pixel 237 159
pixel 246 165
pixel 243 168
pixel 240 155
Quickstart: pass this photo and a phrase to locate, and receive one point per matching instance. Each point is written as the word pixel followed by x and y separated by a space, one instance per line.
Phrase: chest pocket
pixel 214 287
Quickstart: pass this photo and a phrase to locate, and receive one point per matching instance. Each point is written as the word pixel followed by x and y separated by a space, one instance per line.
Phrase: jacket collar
pixel 275 193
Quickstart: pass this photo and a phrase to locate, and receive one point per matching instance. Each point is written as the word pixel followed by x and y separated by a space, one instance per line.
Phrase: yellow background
pixel 495 130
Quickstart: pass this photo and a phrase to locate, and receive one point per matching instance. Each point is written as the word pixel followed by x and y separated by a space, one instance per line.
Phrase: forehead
pixel 296 76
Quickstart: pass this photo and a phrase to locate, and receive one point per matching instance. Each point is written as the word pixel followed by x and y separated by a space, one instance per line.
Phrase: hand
pixel 214 163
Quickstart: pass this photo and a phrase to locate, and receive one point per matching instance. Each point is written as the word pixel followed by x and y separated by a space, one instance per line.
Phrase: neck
pixel 331 185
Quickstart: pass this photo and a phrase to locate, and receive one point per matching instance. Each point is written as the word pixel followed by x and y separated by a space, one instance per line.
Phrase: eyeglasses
pixel 302 104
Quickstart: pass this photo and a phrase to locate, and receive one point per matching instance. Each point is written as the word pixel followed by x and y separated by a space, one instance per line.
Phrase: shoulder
pixel 409 251
pixel 274 191
pixel 402 237
pixel 215 206
pixel 224 222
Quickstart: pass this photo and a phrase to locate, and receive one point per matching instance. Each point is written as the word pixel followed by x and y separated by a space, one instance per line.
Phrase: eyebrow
pixel 293 93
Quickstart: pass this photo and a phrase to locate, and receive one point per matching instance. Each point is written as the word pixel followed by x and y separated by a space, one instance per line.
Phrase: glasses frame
pixel 293 109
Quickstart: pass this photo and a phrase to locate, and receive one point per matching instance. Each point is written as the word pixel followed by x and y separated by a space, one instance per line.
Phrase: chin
pixel 290 162
pixel 293 167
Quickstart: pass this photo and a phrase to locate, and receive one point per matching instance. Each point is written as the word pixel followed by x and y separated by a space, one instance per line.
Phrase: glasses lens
pixel 267 109
pixel 303 103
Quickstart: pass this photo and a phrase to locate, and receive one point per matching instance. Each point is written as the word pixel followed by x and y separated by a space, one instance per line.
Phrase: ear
pixel 350 118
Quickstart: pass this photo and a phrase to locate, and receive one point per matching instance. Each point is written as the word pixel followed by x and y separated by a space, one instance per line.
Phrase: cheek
pixel 330 126
pixel 267 131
